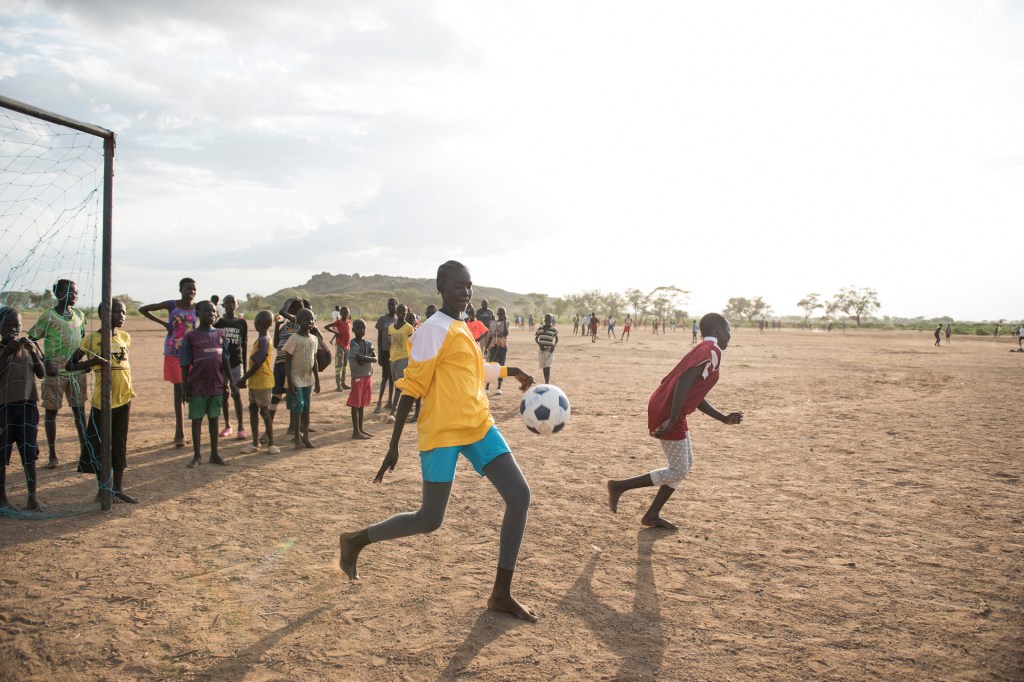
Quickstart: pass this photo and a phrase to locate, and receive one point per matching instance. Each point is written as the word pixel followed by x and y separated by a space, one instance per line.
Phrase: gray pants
pixel 504 474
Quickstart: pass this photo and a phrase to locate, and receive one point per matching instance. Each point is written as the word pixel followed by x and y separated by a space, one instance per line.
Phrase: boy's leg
pixel 179 429
pixel 214 457
pixel 226 431
pixel 50 427
pixel 197 432
pixel 254 423
pixel 616 488
pixel 268 425
pixel 343 354
pixel 236 395
pixel 119 418
pixel 28 448
pixel 5 504
pixel 426 519
pixel 652 519
pixel 30 481
pixel 507 478
pixel 547 375
pixel 362 413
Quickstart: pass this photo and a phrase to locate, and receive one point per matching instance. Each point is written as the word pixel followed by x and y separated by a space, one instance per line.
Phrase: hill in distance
pixel 368 294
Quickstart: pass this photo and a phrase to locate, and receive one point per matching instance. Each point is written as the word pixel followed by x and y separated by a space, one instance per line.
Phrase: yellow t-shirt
pixel 400 341
pixel 264 376
pixel 448 372
pixel 121 392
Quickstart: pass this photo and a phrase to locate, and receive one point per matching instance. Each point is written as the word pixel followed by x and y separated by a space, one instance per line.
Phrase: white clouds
pixel 812 144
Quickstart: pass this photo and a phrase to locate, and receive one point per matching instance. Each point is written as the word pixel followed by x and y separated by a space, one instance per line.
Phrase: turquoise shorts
pixel 298 403
pixel 438 465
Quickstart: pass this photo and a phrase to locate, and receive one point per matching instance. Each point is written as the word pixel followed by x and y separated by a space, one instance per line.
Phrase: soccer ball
pixel 544 409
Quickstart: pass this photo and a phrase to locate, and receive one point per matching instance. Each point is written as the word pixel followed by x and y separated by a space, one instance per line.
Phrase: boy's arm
pixel 316 375
pixel 225 366
pixel 683 384
pixel 288 374
pixel 245 344
pixel 79 363
pixel 146 311
pixel 731 418
pixel 258 358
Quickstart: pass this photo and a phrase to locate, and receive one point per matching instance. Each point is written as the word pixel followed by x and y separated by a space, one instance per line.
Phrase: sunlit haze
pixel 731 149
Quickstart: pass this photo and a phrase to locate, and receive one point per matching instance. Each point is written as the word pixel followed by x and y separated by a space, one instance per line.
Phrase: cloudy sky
pixel 732 149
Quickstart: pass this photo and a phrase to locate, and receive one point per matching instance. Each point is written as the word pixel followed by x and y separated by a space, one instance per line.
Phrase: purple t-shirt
pixel 203 353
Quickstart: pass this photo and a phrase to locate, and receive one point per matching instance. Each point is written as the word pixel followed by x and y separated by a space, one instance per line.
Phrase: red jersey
pixel 343 330
pixel 659 407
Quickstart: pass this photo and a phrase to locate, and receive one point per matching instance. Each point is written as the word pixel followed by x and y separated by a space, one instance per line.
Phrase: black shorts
pixel 89 461
pixel 19 425
pixel 384 360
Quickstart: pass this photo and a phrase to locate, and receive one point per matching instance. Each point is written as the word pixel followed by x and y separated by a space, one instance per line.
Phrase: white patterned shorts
pixel 680 460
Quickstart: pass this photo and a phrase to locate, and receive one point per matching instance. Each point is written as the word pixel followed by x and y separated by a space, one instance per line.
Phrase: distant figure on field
pixel 546 339
pixel 694 330
pixel 384 354
pixel 594 324
pixel 301 375
pixel 627 324
pixel 341 327
pixel 498 346
pixel 938 335
pixel 236 333
pixel 949 332
pixel 576 324
pixel 361 357
pixel 260 379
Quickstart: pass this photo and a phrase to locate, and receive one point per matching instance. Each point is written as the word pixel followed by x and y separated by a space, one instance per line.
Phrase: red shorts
pixel 172 369
pixel 362 392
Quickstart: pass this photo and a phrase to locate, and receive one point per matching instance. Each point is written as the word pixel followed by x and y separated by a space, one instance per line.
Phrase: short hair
pixel 205 303
pixel 446 269
pixel 709 322
pixel 266 316
pixel 61 284
pixel 358 323
pixel 6 312
pixel 215 299
pixel 103 305
pixel 305 312
pixel 184 281
pixel 295 306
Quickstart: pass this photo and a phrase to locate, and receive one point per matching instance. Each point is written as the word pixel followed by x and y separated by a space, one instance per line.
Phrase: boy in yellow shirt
pixel 448 372
pixel 399 334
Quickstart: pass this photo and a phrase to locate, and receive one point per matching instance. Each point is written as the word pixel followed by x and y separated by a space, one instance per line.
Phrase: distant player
pixel 204 373
pixel 695 329
pixel 236 333
pixel 341 327
pixel 384 354
pixel 399 333
pixel 938 335
pixel 361 357
pixel 546 338
pixel 301 373
pixel 181 319
pixel 949 332
pixel 61 329
pixel 259 378
pixel 627 324
pixel 497 345
pixel 21 363
pixel 681 392
pixel 595 322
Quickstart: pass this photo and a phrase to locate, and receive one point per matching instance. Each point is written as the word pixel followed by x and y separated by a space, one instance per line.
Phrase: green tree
pixel 855 302
pixel 746 308
pixel 809 304
pixel 638 300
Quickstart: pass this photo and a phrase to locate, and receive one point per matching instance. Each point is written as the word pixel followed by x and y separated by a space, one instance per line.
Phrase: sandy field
pixel 866 521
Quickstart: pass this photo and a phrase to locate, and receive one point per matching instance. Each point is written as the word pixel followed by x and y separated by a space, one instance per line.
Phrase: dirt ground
pixel 864 522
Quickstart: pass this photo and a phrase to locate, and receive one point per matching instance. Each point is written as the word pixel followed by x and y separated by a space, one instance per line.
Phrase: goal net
pixel 55 176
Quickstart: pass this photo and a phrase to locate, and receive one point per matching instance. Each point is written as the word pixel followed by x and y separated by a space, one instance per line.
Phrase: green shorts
pixel 202 406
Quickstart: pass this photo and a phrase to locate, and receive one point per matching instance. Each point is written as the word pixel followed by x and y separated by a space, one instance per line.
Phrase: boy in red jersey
pixel 681 392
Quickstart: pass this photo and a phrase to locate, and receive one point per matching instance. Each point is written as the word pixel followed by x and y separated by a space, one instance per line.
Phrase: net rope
pixel 51 196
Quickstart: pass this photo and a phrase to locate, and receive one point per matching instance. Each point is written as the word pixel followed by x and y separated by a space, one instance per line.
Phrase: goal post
pixel 106 288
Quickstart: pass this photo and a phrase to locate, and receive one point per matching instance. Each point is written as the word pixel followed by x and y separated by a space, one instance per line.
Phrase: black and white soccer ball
pixel 544 409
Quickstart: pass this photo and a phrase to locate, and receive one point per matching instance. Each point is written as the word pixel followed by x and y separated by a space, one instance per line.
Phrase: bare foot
pixel 193 464
pixel 367 435
pixel 53 463
pixel 508 604
pixel 306 443
pixel 216 459
pixel 613 497
pixel 34 504
pixel 359 435
pixel 658 522
pixel 179 442
pixel 121 496
pixel 349 557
